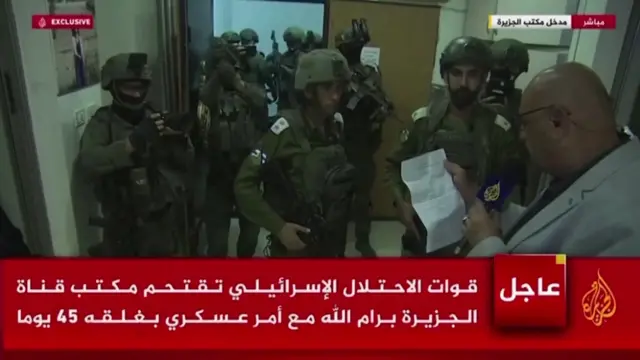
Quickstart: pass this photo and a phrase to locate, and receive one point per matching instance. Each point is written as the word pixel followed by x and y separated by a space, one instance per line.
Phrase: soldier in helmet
pixel 235 111
pixel 510 59
pixel 313 41
pixel 473 136
pixel 365 107
pixel 302 164
pixel 138 160
pixel 254 67
pixel 232 38
pixel 284 66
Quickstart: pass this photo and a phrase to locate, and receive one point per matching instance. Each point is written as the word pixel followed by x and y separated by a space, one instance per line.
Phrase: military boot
pixel 363 246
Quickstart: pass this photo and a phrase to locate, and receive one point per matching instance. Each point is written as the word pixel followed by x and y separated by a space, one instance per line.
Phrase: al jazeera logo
pixel 599 304
pixel 492 193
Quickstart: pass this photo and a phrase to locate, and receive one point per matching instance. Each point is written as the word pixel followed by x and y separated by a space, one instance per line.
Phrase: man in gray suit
pixel 592 205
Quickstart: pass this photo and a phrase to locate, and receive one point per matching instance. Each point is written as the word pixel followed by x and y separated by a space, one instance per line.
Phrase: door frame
pixel 626 82
pixel 22 147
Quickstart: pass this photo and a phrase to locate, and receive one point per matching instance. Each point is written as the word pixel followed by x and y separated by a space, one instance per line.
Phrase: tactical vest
pixel 469 149
pixel 286 97
pixel 238 132
pixel 327 179
pixel 147 187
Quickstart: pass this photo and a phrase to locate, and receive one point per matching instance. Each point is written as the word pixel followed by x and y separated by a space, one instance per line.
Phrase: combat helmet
pixel 321 66
pixel 293 36
pixel 126 67
pixel 231 37
pixel 510 54
pixel 465 50
pixel 249 37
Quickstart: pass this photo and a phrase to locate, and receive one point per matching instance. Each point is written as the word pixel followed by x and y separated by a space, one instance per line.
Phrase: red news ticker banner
pixel 62 21
pixel 446 307
pixel 593 21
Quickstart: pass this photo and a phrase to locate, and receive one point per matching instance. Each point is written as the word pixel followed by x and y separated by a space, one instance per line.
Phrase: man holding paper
pixel 591 206
pixel 471 135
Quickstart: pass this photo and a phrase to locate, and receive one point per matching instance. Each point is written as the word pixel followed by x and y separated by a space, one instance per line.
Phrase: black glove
pixel 227 74
pixel 145 133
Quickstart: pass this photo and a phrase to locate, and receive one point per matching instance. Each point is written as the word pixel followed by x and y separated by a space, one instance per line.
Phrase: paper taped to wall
pixel 370 56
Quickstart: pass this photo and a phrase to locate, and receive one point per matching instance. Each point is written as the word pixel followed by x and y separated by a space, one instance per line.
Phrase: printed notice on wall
pixel 370 56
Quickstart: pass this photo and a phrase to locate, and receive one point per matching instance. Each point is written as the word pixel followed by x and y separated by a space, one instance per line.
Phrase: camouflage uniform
pixel 364 109
pixel 283 66
pixel 510 59
pixel 235 112
pixel 482 146
pixel 300 166
pixel 140 177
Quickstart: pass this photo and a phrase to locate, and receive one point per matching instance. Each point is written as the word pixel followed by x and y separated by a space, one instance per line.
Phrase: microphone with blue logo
pixel 496 190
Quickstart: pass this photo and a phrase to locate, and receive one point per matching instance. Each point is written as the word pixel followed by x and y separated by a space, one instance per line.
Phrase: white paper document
pixel 370 56
pixel 435 199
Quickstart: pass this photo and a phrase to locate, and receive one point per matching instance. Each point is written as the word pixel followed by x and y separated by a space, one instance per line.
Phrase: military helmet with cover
pixel 321 66
pixel 249 37
pixel 126 74
pixel 293 35
pixel 347 37
pixel 231 37
pixel 510 54
pixel 467 50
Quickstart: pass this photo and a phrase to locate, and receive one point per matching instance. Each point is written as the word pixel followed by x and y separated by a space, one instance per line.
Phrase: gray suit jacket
pixel 599 215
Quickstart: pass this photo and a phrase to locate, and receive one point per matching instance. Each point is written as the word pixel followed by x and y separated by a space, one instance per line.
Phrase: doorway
pixel 406 34
pixel 21 188
pixel 626 85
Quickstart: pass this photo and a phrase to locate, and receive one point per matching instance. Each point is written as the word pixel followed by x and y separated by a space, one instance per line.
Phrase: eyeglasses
pixel 520 116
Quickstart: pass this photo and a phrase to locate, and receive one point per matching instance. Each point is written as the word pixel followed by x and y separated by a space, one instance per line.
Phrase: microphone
pixel 496 189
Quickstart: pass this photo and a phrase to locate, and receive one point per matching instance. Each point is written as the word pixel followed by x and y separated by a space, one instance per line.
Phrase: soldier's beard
pixel 462 97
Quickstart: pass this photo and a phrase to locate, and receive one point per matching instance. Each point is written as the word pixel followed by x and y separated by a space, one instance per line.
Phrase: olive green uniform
pixel 482 146
pixel 295 161
pixel 237 118
pixel 365 108
pixel 142 194
pixel 283 67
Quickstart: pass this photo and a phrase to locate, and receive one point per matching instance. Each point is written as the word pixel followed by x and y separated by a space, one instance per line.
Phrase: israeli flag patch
pixel 279 126
pixel 259 155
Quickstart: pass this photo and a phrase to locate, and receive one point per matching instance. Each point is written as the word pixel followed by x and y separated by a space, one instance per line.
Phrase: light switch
pixel 80 117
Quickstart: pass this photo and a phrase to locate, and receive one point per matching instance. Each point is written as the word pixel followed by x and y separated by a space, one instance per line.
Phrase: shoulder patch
pixel 502 122
pixel 279 126
pixel 420 113
pixel 337 117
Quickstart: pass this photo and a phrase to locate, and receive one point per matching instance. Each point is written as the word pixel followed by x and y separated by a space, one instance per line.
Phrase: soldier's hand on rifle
pixel 227 74
pixel 289 236
pixel 147 131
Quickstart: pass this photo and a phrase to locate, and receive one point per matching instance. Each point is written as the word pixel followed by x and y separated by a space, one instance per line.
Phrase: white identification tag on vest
pixel 279 126
pixel 502 122
pixel 420 113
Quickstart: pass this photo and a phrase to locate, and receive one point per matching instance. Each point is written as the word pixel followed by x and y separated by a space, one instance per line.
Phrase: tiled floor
pixel 385 238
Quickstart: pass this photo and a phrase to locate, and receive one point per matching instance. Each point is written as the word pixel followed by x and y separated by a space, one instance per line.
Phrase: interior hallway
pixel 385 239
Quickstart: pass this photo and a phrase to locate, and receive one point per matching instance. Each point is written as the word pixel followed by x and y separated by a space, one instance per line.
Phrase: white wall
pixel 200 19
pixel 600 49
pixel 123 26
pixel 9 199
pixel 452 22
